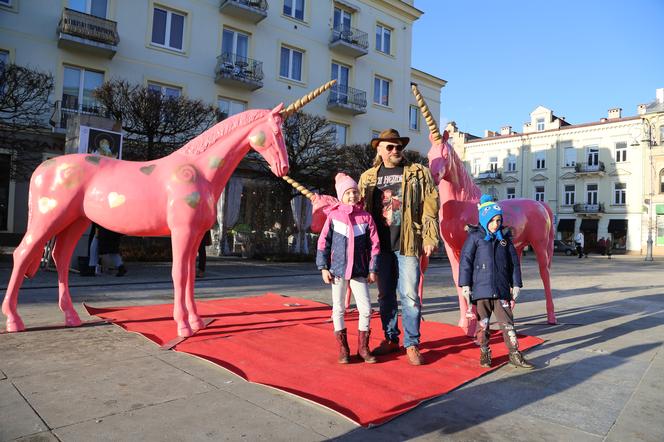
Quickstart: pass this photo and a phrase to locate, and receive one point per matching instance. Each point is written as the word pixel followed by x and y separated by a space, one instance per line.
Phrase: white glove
pixel 465 292
pixel 515 292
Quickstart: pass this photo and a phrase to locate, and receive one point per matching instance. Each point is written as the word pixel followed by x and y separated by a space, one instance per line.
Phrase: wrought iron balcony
pixel 63 111
pixel 589 169
pixel 589 208
pixel 251 10
pixel 489 176
pixel 347 99
pixel 236 70
pixel 349 41
pixel 84 31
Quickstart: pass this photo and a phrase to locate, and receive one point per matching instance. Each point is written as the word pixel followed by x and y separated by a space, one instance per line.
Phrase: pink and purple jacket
pixel 347 255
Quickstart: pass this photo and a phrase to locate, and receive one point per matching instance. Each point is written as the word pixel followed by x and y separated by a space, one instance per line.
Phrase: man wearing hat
pixel 403 200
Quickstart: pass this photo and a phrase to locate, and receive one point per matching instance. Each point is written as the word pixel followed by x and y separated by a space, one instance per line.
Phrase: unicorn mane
pixel 201 143
pixel 460 181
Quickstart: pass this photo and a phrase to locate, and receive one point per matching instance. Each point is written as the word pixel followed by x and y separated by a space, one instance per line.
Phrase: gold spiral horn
pixel 433 127
pixel 299 104
pixel 299 187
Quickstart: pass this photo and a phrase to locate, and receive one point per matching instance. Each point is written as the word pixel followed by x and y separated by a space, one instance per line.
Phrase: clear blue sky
pixel 503 58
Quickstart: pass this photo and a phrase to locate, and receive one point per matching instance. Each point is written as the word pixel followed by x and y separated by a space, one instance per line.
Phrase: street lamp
pixel 648 138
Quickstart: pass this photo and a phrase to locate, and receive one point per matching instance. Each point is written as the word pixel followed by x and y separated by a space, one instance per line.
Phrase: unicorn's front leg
pixel 181 269
pixel 64 247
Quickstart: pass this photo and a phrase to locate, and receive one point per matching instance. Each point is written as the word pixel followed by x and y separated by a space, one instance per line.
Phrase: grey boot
pixel 485 357
pixel 517 359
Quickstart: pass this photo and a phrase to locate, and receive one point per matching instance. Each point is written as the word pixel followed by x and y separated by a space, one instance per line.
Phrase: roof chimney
pixel 641 109
pixel 659 93
pixel 506 130
pixel 614 113
pixel 489 133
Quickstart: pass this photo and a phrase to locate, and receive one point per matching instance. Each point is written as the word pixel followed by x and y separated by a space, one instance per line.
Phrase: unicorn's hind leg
pixel 64 247
pixel 194 318
pixel 544 261
pixel 26 263
pixel 182 267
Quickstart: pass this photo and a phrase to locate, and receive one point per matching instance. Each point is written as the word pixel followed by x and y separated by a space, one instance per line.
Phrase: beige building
pixel 594 176
pixel 237 54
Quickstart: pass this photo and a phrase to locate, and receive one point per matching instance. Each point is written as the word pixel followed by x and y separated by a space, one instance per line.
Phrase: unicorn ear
pixel 278 109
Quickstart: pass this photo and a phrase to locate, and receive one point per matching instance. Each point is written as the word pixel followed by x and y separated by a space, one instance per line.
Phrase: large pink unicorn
pixel 175 195
pixel 531 221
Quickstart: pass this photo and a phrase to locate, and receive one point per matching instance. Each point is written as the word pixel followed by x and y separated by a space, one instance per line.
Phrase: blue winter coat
pixel 490 268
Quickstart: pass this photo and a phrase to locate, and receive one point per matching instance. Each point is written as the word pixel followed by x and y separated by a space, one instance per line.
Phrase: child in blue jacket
pixel 490 278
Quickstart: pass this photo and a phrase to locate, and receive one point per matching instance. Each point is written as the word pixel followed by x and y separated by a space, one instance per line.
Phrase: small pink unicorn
pixel 175 195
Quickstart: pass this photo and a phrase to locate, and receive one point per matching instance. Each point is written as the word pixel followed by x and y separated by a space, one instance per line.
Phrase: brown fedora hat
pixel 389 135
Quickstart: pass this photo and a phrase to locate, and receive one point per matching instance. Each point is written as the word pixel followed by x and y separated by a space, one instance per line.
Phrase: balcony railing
pixel 252 10
pixel 63 112
pixel 346 98
pixel 349 41
pixel 489 176
pixel 78 28
pixel 589 168
pixel 239 70
pixel 589 208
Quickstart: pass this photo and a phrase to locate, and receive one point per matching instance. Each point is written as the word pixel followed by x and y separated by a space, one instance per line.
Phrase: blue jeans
pixel 399 273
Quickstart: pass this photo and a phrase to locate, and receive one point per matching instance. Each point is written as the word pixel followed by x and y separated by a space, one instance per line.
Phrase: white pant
pixel 360 290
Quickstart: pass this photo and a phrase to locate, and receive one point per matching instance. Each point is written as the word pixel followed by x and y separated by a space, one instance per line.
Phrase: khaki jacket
pixel 419 223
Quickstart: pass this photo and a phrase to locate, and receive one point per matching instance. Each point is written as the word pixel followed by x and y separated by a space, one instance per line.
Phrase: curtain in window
pixel 228 212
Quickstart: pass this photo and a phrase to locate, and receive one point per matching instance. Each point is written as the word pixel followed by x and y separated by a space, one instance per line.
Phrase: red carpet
pixel 288 343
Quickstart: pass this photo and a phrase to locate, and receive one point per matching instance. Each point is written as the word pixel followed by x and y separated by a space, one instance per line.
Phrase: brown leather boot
pixel 517 359
pixel 363 347
pixel 386 347
pixel 485 357
pixel 414 356
pixel 344 351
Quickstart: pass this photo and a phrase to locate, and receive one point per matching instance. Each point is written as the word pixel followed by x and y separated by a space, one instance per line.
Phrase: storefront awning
pixel 566 225
pixel 589 225
pixel 617 225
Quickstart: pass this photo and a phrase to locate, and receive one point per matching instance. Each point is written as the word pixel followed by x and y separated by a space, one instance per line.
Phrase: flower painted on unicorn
pixel 68 175
pixel 186 173
pixel 46 204
pixel 116 199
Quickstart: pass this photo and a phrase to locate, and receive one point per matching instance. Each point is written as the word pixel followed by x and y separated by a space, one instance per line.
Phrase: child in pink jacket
pixel 348 249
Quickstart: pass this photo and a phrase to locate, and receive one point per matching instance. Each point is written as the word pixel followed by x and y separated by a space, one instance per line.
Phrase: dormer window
pixel 540 124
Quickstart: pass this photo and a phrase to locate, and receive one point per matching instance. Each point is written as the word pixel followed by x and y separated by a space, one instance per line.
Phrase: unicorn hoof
pixel 15 326
pixel 185 331
pixel 73 320
pixel 196 324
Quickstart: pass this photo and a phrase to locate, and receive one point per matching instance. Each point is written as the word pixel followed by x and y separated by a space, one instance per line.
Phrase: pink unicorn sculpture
pixel 175 195
pixel 531 221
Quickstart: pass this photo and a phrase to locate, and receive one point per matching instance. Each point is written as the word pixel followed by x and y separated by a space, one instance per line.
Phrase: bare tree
pixel 155 124
pixel 24 110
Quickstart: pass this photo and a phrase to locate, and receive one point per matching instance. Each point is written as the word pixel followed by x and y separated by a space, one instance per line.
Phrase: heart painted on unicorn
pixel 215 162
pixel 46 204
pixel 148 169
pixel 115 199
pixel 193 199
pixel 94 159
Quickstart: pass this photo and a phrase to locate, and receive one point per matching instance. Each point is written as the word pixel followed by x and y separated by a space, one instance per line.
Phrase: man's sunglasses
pixel 390 147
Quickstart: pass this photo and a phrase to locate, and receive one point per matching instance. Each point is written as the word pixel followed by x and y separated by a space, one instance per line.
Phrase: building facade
pixel 236 54
pixel 595 176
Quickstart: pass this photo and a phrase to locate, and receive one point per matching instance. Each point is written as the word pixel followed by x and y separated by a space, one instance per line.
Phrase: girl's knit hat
pixel 488 208
pixel 342 183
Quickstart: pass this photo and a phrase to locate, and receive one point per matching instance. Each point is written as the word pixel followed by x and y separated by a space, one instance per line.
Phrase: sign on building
pixel 101 142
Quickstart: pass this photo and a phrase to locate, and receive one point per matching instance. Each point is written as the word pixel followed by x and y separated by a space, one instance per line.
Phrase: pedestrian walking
pixel 579 240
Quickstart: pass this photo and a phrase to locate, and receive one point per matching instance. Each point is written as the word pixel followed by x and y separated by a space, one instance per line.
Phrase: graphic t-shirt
pixel 387 205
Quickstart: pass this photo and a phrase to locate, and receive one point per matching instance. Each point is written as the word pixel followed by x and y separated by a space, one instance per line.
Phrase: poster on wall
pixel 100 142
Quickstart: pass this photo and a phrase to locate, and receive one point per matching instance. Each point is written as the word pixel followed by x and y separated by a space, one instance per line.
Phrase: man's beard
pixel 395 161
